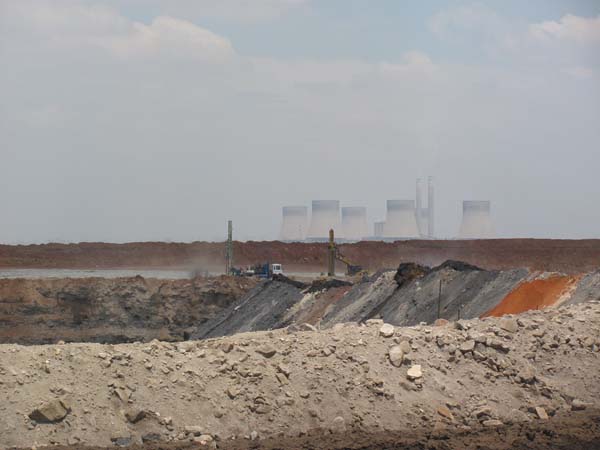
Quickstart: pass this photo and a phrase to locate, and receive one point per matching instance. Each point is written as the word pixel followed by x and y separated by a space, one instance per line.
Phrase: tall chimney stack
pixel 419 201
pixel 430 208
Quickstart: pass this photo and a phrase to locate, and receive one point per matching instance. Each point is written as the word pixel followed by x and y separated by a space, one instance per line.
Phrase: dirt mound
pixel 459 266
pixel 570 256
pixel 424 295
pixel 478 382
pixel 262 308
pixel 36 311
pixel 409 271
pixel 588 289
pixel 283 279
pixel 323 284
pixel 534 294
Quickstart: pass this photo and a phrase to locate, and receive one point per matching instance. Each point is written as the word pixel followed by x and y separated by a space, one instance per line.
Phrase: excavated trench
pixel 44 311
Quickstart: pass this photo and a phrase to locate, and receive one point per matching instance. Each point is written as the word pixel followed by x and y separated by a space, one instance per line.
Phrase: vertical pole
pixel 331 255
pixel 229 249
pixel 439 305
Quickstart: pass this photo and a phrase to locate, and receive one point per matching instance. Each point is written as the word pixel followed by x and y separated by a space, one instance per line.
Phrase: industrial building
pixel 401 220
pixel 325 216
pixel 476 220
pixel 405 219
pixel 378 229
pixel 354 223
pixel 294 226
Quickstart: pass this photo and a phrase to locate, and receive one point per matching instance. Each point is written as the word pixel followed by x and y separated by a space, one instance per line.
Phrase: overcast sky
pixel 138 120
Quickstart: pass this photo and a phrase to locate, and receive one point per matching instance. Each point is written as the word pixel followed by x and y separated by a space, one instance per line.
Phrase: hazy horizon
pixel 133 121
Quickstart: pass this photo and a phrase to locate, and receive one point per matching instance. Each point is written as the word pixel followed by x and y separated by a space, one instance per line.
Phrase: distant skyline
pixel 138 120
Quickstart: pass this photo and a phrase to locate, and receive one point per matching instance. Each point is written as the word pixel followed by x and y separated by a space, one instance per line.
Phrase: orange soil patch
pixel 536 294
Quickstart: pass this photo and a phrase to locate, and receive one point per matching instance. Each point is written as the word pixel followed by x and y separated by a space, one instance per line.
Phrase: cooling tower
pixel 354 223
pixel 477 221
pixel 295 223
pixel 325 215
pixel 401 220
pixel 378 229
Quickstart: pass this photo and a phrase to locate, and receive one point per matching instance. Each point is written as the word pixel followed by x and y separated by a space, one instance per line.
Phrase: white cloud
pixel 167 34
pixel 582 30
pixel 66 24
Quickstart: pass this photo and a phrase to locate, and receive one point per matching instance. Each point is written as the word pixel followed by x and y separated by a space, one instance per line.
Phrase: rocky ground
pixel 528 381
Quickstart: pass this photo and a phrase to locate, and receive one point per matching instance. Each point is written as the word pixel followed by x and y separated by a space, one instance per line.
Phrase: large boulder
pixel 49 412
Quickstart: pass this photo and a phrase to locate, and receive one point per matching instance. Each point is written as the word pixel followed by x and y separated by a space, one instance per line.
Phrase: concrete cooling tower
pixel 378 229
pixel 401 220
pixel 325 215
pixel 295 223
pixel 477 220
pixel 354 223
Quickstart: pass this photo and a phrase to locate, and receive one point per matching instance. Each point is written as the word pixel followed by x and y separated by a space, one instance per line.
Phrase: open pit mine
pixel 435 345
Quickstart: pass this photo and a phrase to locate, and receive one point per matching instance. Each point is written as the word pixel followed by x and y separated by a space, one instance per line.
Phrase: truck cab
pixel 277 269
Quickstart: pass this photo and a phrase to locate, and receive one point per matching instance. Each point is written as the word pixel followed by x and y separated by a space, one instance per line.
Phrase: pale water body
pixel 163 274
pixel 101 273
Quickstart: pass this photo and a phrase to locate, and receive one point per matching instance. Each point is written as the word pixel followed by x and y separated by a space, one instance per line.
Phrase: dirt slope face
pixel 535 294
pixel 433 383
pixel 34 311
pixel 569 256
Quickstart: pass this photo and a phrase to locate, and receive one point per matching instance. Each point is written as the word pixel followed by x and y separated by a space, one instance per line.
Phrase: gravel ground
pixel 479 379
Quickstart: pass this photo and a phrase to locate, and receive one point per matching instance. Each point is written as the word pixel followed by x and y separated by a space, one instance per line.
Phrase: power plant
pixel 401 220
pixel 476 221
pixel 405 219
pixel 294 226
pixel 378 229
pixel 325 217
pixel 354 223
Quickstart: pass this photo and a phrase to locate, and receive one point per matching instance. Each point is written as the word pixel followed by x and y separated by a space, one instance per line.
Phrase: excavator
pixel 335 254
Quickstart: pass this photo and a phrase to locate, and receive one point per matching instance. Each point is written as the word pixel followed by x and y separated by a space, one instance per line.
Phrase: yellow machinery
pixel 334 254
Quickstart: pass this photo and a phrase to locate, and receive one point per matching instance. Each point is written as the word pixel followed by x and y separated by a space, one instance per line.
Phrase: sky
pixel 143 120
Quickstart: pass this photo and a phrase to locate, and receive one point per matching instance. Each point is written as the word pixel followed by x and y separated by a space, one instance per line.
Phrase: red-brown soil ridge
pixel 571 256
pixel 534 294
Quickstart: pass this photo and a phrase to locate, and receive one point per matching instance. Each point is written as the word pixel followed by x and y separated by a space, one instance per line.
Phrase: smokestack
pixel 424 225
pixel 400 221
pixel 477 220
pixel 325 216
pixel 295 223
pixel 354 222
pixel 378 229
pixel 430 208
pixel 419 200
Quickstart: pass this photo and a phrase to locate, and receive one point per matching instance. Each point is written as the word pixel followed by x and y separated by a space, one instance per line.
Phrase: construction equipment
pixel 260 270
pixel 229 249
pixel 335 254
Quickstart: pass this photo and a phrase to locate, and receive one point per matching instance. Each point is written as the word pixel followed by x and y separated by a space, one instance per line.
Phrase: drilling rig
pixel 334 254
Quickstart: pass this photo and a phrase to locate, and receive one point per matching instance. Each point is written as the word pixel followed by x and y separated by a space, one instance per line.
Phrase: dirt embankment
pixel 35 311
pixel 535 294
pixel 496 383
pixel 572 256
